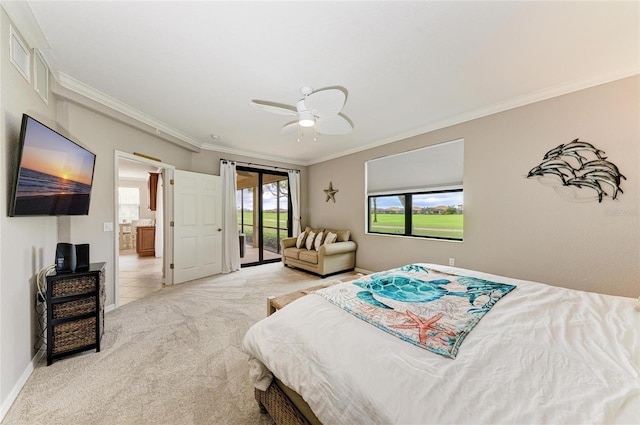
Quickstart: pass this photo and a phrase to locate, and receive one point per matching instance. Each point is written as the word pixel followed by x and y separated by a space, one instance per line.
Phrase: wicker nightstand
pixel 75 311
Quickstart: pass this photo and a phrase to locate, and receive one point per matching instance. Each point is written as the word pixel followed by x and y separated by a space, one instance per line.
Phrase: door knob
pixel 219 229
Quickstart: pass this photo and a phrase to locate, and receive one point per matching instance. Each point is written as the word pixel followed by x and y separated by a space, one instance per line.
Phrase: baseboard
pixel 13 394
pixel 363 271
pixel 109 308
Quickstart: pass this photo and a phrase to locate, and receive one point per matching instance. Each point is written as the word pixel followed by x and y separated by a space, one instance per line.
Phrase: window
pixel 129 204
pixel 386 214
pixel 417 193
pixel 433 214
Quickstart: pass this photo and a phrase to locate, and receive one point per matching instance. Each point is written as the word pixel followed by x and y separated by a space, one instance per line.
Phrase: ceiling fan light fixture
pixel 319 110
pixel 306 119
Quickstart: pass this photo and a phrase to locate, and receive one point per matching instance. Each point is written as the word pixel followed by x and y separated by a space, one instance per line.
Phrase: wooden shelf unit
pixel 75 311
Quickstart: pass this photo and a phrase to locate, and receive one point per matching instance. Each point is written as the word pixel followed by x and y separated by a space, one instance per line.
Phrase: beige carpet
pixel 173 357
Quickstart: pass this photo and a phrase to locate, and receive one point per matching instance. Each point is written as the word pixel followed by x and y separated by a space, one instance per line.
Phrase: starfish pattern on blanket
pixel 423 326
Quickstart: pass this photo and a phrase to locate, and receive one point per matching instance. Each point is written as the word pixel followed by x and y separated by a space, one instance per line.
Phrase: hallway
pixel 139 276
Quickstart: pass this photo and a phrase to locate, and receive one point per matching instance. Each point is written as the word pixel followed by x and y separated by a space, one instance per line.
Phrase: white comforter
pixel 541 355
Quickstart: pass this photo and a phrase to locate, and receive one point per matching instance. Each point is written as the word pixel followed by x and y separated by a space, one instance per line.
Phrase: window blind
pixel 436 167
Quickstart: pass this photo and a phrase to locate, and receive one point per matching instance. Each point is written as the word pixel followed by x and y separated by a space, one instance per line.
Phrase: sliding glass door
pixel 263 214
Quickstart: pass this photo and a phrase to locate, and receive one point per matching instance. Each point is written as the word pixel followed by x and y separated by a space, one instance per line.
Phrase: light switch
pixel 108 227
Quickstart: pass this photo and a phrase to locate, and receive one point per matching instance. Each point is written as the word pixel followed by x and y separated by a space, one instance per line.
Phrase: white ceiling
pixel 191 68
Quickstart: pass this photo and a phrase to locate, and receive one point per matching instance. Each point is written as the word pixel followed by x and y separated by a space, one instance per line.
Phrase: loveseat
pixel 320 251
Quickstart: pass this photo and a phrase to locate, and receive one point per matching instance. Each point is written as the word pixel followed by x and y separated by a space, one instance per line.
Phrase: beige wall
pixel 516 226
pixel 103 136
pixel 27 243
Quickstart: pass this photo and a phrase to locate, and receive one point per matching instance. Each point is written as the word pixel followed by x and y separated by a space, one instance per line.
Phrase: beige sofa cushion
pixel 308 255
pixel 310 239
pixel 330 238
pixel 343 235
pixel 293 252
pixel 302 237
pixel 318 240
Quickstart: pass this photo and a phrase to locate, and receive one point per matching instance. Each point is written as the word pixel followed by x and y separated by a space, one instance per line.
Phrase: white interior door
pixel 197 225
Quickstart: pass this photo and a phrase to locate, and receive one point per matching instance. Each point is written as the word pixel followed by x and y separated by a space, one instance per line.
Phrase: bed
pixel 536 354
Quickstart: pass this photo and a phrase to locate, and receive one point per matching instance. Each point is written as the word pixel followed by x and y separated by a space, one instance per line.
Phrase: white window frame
pixel 431 169
pixel 120 203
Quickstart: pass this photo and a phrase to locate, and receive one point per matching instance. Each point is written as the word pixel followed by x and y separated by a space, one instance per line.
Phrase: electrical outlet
pixel 452 261
pixel 108 227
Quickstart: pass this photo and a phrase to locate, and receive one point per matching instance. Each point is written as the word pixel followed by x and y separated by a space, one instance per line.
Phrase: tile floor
pixel 139 276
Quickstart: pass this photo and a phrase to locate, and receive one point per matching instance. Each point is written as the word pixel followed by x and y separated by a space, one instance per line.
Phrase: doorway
pixel 140 268
pixel 263 221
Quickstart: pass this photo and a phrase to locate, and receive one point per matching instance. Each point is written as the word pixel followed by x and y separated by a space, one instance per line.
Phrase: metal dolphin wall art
pixel 581 165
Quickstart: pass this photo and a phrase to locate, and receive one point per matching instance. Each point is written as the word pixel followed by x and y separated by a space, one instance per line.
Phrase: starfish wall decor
pixel 331 193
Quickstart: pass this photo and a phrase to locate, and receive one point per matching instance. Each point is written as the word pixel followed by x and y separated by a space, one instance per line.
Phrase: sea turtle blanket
pixel 431 309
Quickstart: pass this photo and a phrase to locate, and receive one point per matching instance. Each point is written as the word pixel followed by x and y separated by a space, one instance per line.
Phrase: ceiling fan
pixel 319 109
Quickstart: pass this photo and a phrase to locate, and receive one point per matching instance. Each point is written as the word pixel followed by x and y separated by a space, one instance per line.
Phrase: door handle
pixel 219 229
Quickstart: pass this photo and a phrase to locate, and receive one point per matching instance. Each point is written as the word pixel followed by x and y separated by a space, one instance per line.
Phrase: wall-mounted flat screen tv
pixel 54 175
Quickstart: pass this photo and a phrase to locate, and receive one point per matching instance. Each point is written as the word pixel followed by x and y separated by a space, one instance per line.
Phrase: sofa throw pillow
pixel 310 238
pixel 318 242
pixel 301 239
pixel 343 235
pixel 330 238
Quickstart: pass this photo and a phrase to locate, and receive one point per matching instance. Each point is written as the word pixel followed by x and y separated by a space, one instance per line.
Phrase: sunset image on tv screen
pixel 55 174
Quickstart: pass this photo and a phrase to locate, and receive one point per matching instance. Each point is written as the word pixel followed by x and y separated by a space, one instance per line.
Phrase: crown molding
pixel 85 90
pixel 541 95
pixel 251 154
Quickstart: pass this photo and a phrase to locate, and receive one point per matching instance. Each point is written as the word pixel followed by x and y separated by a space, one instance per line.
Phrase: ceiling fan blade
pixel 276 108
pixel 326 102
pixel 289 128
pixel 334 125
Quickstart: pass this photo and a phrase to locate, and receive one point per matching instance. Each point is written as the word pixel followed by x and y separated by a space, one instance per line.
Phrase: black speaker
pixel 65 258
pixel 82 257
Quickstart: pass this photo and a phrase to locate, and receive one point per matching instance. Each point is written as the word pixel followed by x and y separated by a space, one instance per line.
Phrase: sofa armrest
pixel 337 248
pixel 287 242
